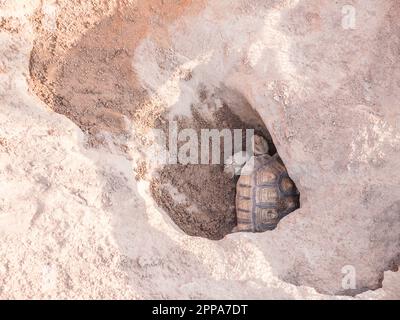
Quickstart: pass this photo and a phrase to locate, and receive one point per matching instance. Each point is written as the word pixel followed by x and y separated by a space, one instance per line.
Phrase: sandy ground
pixel 85 214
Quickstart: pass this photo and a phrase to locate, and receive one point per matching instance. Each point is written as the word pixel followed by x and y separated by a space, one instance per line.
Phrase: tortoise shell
pixel 264 194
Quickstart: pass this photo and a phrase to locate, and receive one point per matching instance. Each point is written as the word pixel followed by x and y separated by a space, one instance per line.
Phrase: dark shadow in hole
pixel 207 208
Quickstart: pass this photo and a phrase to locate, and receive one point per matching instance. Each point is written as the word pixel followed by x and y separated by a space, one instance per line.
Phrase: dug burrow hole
pixel 92 83
pixel 201 198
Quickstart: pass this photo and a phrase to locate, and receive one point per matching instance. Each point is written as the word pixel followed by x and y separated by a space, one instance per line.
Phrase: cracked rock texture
pixel 74 223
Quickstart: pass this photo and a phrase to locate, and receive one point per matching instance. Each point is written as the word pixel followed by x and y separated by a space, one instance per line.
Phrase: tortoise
pixel 264 192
